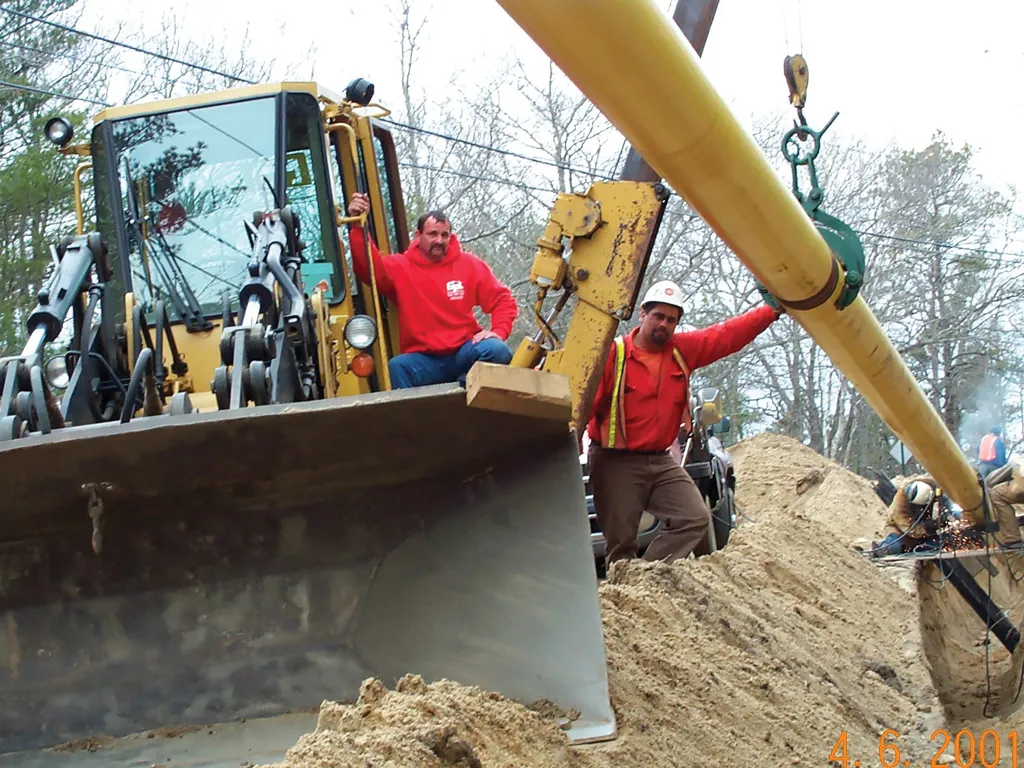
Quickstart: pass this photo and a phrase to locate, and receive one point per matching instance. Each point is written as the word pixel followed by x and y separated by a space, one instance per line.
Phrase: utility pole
pixel 694 18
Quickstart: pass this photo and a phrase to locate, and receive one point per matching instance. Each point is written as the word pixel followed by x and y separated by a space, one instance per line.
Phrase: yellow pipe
pixel 635 65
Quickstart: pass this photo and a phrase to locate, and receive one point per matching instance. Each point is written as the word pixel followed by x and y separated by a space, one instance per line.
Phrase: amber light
pixel 362 365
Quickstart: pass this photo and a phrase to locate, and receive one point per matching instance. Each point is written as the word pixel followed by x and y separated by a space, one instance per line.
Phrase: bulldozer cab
pixel 223 514
pixel 175 185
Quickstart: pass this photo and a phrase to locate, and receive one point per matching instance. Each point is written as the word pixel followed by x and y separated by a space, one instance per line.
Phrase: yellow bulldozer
pixel 218 509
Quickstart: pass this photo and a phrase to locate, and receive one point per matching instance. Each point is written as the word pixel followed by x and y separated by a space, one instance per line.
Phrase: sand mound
pixel 761 654
pixel 781 477
pixel 442 724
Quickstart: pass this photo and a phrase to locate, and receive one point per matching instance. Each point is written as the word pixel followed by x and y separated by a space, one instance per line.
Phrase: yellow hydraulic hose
pixel 633 63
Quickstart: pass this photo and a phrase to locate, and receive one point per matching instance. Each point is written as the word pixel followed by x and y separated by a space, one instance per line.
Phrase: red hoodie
pixel 436 301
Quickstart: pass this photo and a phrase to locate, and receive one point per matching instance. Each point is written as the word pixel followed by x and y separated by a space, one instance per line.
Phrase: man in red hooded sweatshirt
pixel 641 400
pixel 436 286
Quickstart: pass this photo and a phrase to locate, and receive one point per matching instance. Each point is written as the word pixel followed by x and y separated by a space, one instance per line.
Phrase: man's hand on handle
pixel 359 204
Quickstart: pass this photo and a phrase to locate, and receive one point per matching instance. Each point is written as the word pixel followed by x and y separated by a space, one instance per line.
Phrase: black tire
pixel 723 517
pixel 704 548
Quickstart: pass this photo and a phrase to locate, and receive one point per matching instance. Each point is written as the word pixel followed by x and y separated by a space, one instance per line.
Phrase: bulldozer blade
pixel 187 590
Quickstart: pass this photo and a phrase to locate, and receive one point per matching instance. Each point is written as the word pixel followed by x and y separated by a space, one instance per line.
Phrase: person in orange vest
pixel 991 452
pixel 643 397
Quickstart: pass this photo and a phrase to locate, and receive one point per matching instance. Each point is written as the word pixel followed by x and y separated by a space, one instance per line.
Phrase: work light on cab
pixel 361 332
pixel 59 131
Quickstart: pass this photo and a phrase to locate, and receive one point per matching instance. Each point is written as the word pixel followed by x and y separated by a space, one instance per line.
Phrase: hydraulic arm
pixel 270 356
pixel 27 403
pixel 611 231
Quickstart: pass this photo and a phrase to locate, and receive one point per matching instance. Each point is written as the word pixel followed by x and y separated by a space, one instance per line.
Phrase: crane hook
pixel 797 76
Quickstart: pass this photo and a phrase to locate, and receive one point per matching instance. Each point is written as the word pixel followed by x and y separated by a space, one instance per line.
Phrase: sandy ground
pixel 761 654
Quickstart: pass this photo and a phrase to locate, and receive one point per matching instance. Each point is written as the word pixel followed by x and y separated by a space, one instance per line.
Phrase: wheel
pixel 723 518
pixel 11 427
pixel 221 386
pixel 709 543
pixel 259 380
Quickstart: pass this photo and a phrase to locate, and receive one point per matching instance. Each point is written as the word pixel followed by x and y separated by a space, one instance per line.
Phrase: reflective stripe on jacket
pixel 690 350
pixel 616 422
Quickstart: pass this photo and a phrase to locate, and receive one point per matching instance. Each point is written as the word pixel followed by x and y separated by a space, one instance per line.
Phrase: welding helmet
pixel 919 493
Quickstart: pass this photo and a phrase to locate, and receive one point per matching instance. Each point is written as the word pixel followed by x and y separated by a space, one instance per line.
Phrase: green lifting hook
pixel 840 238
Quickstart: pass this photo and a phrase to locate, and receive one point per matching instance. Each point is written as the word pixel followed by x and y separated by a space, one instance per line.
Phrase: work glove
pixel 770 300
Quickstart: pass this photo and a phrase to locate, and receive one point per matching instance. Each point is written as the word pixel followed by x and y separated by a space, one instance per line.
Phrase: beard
pixel 659 336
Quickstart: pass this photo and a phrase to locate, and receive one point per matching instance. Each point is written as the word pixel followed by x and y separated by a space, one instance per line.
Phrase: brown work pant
pixel 1003 498
pixel 625 484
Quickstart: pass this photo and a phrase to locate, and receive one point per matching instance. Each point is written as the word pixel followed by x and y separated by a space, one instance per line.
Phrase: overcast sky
pixel 896 70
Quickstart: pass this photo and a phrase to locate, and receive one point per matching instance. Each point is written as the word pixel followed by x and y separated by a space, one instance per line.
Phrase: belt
pixel 635 453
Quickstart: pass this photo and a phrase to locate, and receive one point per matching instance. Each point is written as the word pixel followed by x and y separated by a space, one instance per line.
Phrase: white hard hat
pixel 664 292
pixel 918 493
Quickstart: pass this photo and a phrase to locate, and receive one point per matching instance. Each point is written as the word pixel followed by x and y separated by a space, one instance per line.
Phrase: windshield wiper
pixel 135 222
pixel 189 310
pixel 192 316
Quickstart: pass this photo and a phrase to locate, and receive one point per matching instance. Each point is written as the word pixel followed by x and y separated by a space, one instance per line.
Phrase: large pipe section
pixel 694 18
pixel 634 64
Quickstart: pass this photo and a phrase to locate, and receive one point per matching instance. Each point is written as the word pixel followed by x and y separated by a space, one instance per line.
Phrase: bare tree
pixel 961 291
pixel 187 65
pixel 936 276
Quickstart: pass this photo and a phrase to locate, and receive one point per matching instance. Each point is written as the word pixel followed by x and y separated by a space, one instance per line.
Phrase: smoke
pixel 987 409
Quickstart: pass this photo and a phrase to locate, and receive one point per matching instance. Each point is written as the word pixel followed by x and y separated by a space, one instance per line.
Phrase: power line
pixel 406 126
pixel 44 92
pixel 130 47
pixel 490 179
pixel 951 246
pixel 540 161
pixel 397 124
pixel 488 148
pixel 45 55
pixel 509 183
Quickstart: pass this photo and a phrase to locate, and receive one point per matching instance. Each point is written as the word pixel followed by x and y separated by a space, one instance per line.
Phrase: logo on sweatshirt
pixel 455 290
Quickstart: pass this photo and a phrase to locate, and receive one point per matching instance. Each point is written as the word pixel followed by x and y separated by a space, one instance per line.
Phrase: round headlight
pixel 59 131
pixel 56 370
pixel 361 332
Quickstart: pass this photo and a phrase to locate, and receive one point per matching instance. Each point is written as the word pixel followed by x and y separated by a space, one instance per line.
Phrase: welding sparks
pixel 960 535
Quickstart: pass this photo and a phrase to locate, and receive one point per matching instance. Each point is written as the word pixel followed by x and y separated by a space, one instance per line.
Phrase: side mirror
pixel 710 405
pixel 721 427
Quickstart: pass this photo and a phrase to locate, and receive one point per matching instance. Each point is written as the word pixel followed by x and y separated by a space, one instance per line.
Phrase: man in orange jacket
pixel 991 452
pixel 436 286
pixel 642 399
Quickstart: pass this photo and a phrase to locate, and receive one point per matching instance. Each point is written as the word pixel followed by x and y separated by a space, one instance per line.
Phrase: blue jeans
pixel 419 369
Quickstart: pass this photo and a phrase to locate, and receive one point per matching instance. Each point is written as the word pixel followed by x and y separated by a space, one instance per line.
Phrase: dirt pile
pixel 761 654
pixel 442 724
pixel 780 478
